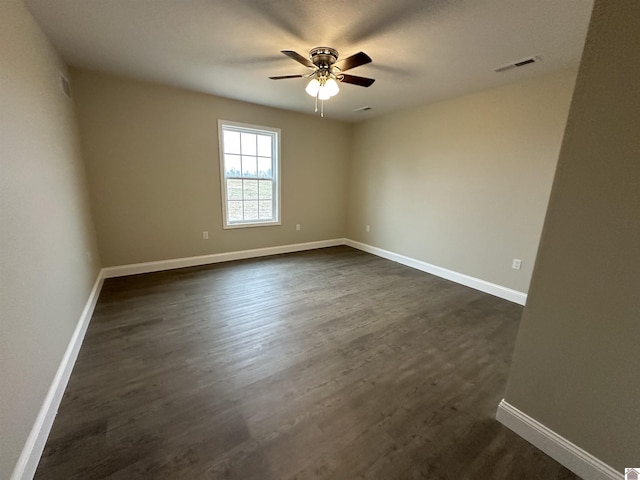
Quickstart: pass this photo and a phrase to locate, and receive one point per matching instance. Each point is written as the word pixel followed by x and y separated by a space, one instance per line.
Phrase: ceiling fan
pixel 327 71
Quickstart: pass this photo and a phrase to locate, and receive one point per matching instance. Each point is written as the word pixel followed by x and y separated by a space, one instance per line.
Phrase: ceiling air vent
pixel 363 109
pixel 519 63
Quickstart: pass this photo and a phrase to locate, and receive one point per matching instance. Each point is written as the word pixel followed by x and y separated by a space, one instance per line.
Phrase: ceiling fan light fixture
pixel 323 94
pixel 313 87
pixel 323 88
pixel 331 86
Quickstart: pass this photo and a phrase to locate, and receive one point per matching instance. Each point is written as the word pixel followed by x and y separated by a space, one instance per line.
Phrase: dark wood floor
pixel 328 364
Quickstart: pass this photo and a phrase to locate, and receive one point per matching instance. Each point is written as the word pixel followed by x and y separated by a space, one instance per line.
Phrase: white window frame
pixel 275 168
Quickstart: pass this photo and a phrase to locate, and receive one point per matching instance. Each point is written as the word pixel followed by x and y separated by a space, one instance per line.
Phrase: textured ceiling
pixel 422 50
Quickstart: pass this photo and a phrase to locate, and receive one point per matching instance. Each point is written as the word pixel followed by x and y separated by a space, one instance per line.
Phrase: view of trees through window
pixel 249 175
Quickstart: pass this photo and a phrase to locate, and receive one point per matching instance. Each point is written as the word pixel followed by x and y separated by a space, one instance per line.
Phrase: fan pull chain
pixel 316 104
pixel 322 108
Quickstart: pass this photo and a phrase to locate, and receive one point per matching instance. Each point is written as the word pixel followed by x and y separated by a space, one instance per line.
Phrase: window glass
pixel 249 161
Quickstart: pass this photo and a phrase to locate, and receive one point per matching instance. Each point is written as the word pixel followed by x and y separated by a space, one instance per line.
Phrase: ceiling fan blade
pixel 353 61
pixel 355 80
pixel 298 58
pixel 286 76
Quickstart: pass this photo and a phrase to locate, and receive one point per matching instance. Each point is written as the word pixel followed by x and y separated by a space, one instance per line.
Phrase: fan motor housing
pixel 323 57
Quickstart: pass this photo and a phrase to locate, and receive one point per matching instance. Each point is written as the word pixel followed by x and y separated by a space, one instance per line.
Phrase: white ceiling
pixel 422 50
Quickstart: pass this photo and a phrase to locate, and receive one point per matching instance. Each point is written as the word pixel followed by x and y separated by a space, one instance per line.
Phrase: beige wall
pixel 152 159
pixel 462 184
pixel 48 257
pixel 576 366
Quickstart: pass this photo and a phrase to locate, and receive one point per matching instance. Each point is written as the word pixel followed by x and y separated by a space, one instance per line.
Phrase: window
pixel 250 173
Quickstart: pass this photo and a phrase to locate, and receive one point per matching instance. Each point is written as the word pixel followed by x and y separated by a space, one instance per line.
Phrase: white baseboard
pixel 557 447
pixel 27 464
pixel 148 267
pixel 476 283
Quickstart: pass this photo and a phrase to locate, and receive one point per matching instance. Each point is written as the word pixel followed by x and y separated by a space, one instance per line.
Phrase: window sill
pixel 248 225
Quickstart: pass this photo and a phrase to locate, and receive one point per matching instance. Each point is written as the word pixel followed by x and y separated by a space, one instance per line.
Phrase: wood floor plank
pixel 327 364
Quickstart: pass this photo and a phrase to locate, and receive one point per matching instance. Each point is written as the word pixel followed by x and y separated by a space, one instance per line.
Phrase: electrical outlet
pixel 297 227
pixel 205 235
pixel 517 263
pixel 367 228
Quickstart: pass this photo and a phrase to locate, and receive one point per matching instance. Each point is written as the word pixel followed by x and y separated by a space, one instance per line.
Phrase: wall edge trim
pixel 149 267
pixel 29 458
pixel 466 280
pixel 579 461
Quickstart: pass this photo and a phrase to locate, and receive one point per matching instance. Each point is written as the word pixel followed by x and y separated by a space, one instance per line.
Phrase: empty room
pixel 290 239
